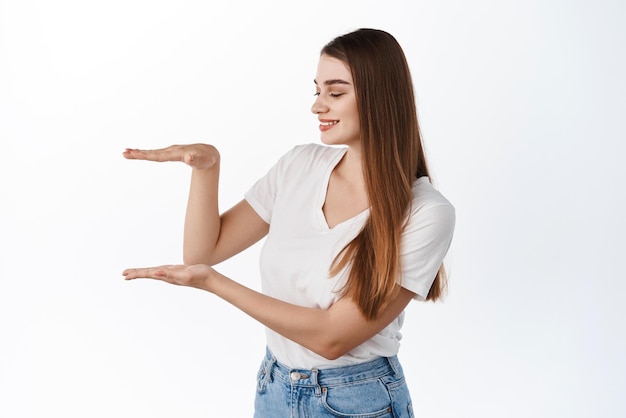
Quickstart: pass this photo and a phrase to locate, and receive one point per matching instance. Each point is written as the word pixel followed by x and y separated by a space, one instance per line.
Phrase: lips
pixel 327 124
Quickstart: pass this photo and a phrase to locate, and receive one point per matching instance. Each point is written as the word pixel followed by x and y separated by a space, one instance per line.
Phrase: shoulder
pixel 426 196
pixel 429 205
pixel 426 237
pixel 308 156
pixel 314 152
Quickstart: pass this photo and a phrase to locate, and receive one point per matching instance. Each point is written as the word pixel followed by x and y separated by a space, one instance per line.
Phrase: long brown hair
pixel 393 157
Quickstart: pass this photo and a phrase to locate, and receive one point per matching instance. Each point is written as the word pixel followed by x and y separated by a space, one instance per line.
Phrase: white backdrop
pixel 522 107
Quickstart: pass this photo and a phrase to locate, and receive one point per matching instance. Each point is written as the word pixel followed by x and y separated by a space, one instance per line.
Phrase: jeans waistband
pixel 333 376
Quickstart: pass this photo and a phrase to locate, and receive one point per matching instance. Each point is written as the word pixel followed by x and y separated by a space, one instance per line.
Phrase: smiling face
pixel 335 105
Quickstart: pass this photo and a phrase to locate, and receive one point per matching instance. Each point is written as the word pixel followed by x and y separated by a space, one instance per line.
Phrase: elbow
pixel 331 355
pixel 190 259
pixel 332 349
pixel 194 255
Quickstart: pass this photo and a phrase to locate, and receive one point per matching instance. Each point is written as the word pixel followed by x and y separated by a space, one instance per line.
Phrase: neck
pixel 351 167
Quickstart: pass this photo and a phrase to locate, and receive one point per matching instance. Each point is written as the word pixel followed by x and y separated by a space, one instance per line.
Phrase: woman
pixel 353 234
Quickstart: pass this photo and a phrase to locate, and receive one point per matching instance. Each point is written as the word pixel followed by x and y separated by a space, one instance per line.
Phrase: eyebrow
pixel 333 81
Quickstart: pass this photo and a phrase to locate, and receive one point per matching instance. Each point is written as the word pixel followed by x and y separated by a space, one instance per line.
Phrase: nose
pixel 319 106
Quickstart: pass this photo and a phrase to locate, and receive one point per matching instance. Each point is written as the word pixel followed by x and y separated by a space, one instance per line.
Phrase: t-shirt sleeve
pixel 425 242
pixel 262 195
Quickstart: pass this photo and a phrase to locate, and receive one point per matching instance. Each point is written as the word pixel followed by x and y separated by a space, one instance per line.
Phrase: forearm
pixel 309 327
pixel 202 219
pixel 328 332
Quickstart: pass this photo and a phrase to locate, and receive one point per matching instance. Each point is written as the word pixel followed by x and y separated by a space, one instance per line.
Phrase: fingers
pixel 159 273
pixel 171 153
pixel 181 275
pixel 200 156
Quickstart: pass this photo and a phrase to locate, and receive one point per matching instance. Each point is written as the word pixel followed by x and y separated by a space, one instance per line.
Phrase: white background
pixel 522 106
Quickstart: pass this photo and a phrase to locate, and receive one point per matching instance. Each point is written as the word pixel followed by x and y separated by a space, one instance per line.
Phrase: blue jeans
pixel 366 390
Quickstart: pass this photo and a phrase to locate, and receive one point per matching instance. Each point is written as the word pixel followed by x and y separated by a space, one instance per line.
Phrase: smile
pixel 334 122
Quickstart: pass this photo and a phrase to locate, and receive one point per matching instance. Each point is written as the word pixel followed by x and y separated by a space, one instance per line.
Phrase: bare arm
pixel 209 237
pixel 239 228
pixel 328 332
pixel 202 218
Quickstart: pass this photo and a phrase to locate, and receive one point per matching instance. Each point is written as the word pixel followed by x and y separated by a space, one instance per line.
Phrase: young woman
pixel 353 232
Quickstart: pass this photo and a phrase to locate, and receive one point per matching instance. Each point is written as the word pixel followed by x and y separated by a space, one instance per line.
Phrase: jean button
pixel 294 376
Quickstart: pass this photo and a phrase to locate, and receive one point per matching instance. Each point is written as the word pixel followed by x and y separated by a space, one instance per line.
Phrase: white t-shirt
pixel 300 247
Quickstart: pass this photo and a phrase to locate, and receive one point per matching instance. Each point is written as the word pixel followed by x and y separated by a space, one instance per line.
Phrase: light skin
pixel 211 237
pixel 335 104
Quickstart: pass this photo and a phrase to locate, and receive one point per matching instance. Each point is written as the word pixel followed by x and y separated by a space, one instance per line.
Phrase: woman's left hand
pixel 197 276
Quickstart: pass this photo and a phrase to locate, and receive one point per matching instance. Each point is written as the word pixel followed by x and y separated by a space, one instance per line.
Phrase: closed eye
pixel 317 93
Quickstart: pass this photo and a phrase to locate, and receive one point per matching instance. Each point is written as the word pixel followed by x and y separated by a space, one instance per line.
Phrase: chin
pixel 337 141
pixel 330 140
pixel 326 141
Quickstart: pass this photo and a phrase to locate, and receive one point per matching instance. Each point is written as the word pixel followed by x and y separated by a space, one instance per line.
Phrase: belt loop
pixel 315 381
pixel 270 369
pixel 392 364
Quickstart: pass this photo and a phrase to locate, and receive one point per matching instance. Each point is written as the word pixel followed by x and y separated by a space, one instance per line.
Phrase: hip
pixel 375 388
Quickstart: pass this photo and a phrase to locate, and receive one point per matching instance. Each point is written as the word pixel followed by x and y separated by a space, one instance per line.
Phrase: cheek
pixel 355 118
pixel 355 112
pixel 352 112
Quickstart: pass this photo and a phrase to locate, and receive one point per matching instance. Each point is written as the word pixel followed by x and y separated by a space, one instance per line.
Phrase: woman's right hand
pixel 199 156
